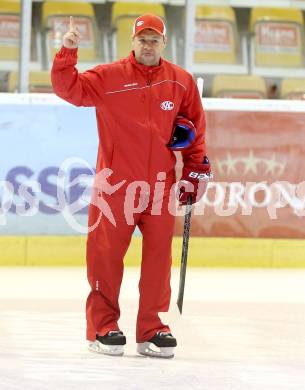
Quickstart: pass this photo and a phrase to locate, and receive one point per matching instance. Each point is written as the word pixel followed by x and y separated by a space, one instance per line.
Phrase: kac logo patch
pixel 167 105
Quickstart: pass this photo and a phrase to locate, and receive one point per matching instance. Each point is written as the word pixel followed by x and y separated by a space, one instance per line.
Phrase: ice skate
pixel 110 344
pixel 161 345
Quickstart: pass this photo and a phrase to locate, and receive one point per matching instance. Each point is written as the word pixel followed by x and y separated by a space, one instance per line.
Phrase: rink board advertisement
pixel 258 164
pixel 37 138
pixel 256 150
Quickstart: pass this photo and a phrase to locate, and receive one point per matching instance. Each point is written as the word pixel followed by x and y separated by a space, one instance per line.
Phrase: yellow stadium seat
pixel 38 82
pixel 244 87
pixel 216 40
pixel 55 19
pixel 123 17
pixel 293 89
pixel 9 30
pixel 278 38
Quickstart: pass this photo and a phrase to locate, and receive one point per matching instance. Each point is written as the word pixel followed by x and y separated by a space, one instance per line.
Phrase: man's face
pixel 148 46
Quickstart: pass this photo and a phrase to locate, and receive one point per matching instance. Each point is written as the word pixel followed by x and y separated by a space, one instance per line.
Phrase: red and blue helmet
pixel 183 135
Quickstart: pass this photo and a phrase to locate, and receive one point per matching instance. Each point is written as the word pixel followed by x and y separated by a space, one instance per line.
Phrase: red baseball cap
pixel 150 21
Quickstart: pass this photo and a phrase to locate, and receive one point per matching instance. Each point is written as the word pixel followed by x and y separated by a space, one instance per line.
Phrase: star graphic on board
pixel 229 163
pixel 274 166
pixel 268 165
pixel 250 163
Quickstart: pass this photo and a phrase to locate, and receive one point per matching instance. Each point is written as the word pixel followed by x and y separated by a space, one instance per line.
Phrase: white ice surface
pixel 240 330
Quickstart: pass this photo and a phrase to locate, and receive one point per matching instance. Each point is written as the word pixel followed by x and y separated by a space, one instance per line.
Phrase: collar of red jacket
pixel 145 68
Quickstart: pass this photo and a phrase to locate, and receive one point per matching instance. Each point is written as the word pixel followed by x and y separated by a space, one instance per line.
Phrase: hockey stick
pixel 186 231
pixel 186 235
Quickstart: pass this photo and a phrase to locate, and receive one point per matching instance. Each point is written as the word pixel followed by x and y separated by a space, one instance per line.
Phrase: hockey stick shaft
pixel 186 235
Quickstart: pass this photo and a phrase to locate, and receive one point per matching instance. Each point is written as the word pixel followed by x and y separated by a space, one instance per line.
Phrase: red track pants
pixel 106 248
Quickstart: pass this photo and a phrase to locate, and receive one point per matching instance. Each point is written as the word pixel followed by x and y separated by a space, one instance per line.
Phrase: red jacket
pixel 136 106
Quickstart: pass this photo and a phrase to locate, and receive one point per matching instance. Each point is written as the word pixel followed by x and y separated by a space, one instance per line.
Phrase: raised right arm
pixel 80 89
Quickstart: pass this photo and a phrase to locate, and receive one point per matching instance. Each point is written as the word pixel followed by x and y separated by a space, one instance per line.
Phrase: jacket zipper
pixel 148 83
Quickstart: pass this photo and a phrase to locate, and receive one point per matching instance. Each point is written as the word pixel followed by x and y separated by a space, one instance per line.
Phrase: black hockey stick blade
pixel 186 235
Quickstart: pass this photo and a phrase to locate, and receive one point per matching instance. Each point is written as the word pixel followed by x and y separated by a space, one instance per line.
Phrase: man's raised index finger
pixel 72 25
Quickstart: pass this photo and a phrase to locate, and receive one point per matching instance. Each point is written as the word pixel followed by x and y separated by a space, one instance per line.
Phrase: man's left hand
pixel 198 175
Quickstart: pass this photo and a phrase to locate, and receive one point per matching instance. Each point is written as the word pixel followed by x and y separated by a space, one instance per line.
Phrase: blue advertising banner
pixel 39 136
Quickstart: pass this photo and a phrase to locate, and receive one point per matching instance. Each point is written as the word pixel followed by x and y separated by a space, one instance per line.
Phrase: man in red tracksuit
pixel 137 100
